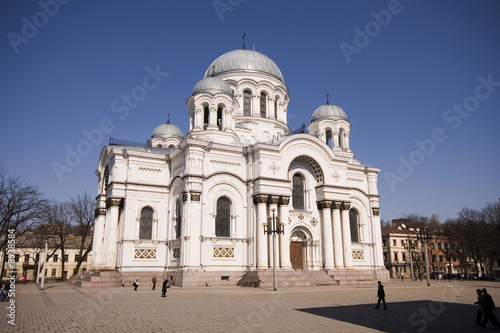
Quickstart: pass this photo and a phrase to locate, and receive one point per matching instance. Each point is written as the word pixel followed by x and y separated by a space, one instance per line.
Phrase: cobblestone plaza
pixel 412 307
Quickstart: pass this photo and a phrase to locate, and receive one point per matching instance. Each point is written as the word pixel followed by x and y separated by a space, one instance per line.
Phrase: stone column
pixel 256 106
pixel 346 141
pixel 198 118
pixel 261 202
pixel 194 208
pixel 336 143
pixel 284 240
pixel 327 235
pixel 337 235
pixel 212 117
pixel 379 256
pixel 97 248
pixel 111 233
pixel 346 234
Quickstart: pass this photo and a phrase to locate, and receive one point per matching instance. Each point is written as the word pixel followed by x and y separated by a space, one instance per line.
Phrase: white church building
pixel 195 208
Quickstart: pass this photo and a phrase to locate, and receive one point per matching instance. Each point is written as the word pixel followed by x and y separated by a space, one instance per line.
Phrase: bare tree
pixel 82 216
pixel 20 205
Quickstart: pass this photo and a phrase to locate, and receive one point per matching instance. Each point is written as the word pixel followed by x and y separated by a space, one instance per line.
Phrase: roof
pixel 329 111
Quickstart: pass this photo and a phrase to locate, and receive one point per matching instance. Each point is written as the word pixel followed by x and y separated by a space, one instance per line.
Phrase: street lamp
pixel 424 236
pixel 409 246
pixel 273 227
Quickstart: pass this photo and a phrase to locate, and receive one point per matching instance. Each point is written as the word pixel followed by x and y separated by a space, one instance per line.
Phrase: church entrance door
pixel 296 255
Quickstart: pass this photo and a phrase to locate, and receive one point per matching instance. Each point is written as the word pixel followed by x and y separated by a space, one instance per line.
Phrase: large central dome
pixel 244 61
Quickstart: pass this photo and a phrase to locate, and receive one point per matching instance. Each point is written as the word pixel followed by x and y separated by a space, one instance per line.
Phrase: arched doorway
pixel 298 253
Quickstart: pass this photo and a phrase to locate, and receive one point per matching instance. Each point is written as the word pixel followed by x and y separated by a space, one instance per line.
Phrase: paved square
pixel 413 307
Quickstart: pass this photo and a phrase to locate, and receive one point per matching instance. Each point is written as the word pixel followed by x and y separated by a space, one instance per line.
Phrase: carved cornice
pixel 376 211
pixel 260 198
pixel 324 204
pixel 99 211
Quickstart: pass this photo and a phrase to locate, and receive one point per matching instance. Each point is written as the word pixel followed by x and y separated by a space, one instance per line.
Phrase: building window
pixel 219 117
pixel 26 257
pixel 276 107
pixel 434 257
pixel 396 256
pixel 223 217
pixel 402 243
pixel 66 257
pixel 353 221
pixel 16 257
pixel 298 191
pixel 53 272
pixel 206 115
pixel 106 179
pixel 440 258
pixel 329 138
pixel 403 255
pixel 247 103
pixel 146 224
pixel 394 242
pixel 77 256
pixel 55 258
pixel 178 219
pixel 263 105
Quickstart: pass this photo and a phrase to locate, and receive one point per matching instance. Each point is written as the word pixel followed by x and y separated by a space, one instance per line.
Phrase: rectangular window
pixel 16 257
pixel 440 258
pixel 395 256
pixel 53 272
pixel 26 257
pixel 394 242
pixel 66 257
pixel 55 258
pixel 77 256
pixel 404 256
pixel 402 243
pixel 433 257
pixel 46 271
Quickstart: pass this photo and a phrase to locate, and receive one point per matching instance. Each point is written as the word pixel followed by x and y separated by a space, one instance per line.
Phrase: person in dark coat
pixel 164 288
pixel 480 311
pixel 488 307
pixel 154 282
pixel 381 296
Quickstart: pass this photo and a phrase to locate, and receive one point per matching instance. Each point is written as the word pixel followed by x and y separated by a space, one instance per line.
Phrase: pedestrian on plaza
pixel 480 311
pixel 488 307
pixel 381 296
pixel 154 282
pixel 420 276
pixel 136 283
pixel 25 279
pixel 164 288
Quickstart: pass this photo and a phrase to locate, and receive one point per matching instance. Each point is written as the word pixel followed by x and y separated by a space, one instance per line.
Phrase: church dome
pixel 244 61
pixel 329 111
pixel 166 131
pixel 213 85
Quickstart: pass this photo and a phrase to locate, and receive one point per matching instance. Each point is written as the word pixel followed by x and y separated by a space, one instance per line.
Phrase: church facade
pixel 196 207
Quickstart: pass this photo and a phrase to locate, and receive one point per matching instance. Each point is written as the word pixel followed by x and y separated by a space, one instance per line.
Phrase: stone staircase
pixel 97 278
pixel 312 278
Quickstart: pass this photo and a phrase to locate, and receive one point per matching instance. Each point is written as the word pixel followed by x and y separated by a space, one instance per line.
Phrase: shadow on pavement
pixel 415 316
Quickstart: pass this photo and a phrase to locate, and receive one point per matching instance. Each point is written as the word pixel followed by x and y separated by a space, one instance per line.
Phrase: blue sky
pixel 419 81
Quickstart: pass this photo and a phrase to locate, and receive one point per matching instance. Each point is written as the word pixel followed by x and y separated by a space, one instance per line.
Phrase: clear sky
pixel 418 80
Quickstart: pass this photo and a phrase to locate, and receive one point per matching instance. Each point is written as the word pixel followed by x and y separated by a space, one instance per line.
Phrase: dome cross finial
pixel 168 119
pixel 243 37
pixel 327 101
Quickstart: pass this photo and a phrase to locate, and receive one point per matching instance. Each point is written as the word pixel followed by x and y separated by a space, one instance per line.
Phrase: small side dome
pixel 328 111
pixel 165 131
pixel 212 85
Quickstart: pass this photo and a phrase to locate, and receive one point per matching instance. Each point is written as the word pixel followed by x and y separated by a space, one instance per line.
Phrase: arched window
pixel 146 224
pixel 354 224
pixel 247 103
pixel 298 191
pixel 219 117
pixel 178 219
pixel 341 138
pixel 206 115
pixel 329 138
pixel 276 107
pixel 106 179
pixel 263 105
pixel 223 217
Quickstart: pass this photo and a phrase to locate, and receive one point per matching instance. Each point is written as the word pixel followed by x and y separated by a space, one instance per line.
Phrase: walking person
pixel 488 307
pixel 136 283
pixel 154 282
pixel 480 311
pixel 164 288
pixel 381 296
pixel 25 279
